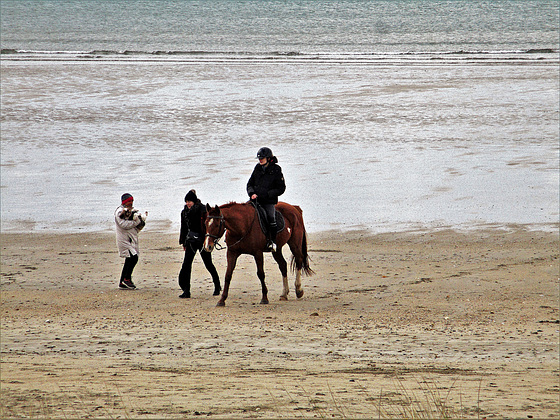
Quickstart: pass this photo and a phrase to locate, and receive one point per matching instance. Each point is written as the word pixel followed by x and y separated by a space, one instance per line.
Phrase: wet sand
pixel 426 324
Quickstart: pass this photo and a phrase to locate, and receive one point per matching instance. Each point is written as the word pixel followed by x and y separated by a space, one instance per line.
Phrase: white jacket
pixel 127 234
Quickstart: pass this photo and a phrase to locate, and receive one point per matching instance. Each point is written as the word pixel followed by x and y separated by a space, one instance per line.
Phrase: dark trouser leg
pixel 271 217
pixel 273 229
pixel 207 259
pixel 128 268
pixel 186 268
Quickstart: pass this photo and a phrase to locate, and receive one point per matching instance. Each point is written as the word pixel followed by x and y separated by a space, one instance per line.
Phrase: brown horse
pixel 245 236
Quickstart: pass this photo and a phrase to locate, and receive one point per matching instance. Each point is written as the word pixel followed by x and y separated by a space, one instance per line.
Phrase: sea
pixel 385 115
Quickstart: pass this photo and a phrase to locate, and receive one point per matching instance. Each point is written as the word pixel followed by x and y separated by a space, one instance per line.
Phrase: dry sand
pixel 425 324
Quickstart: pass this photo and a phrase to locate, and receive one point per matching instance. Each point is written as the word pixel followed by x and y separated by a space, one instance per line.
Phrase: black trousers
pixel 129 264
pixel 270 210
pixel 186 268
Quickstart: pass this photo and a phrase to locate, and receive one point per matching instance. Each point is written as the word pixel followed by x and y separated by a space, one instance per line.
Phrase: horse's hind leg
pixel 231 262
pixel 283 266
pixel 298 259
pixel 259 260
pixel 299 289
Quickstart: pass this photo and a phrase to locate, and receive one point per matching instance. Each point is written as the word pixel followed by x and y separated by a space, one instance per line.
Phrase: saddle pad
pixel 280 222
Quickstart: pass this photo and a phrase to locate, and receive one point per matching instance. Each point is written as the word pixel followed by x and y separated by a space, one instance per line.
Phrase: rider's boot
pixel 272 240
pixel 269 245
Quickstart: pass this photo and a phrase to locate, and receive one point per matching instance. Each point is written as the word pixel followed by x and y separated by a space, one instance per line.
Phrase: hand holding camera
pixel 136 215
pixel 139 217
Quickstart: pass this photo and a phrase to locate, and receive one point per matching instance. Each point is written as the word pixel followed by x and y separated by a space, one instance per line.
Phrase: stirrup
pixel 270 246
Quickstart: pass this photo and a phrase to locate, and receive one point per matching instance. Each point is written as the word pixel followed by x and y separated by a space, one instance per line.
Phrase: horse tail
pixel 305 260
pixel 306 268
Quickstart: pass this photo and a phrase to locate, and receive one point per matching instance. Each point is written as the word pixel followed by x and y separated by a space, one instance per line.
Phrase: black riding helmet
pixel 264 152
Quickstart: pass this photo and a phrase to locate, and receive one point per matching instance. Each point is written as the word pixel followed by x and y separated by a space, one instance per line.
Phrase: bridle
pixel 217 244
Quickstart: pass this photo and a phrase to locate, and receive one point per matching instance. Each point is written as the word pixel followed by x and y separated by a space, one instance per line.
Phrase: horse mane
pixel 231 204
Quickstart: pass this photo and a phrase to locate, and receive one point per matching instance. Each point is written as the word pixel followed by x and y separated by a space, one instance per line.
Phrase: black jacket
pixel 267 182
pixel 192 220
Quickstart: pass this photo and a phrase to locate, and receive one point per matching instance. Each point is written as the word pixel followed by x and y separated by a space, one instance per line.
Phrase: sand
pixel 418 324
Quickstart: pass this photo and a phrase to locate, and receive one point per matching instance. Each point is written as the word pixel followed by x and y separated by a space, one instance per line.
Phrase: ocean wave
pixel 549 54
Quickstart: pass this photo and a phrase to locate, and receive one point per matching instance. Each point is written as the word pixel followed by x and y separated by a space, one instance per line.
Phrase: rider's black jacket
pixel 267 182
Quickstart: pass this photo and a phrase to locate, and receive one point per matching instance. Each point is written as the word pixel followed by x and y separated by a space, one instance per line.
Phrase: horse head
pixel 215 228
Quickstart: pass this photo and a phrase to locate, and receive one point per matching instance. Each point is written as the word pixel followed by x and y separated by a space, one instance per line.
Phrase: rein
pixel 219 246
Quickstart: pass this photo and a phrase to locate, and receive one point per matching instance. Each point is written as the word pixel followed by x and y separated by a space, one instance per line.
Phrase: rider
pixel 264 187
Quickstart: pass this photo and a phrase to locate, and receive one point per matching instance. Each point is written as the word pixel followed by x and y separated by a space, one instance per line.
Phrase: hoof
pixel 264 302
pixel 221 303
pixel 299 293
pixel 283 297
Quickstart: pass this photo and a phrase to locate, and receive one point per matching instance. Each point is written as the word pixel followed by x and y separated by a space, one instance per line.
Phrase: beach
pixel 420 139
pixel 422 324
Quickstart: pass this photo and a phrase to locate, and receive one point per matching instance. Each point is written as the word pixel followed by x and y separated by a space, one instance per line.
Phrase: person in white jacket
pixel 129 222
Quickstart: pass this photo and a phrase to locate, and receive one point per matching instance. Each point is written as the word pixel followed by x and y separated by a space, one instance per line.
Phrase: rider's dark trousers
pixel 270 210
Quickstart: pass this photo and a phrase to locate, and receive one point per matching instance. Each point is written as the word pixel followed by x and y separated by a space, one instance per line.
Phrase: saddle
pixel 280 222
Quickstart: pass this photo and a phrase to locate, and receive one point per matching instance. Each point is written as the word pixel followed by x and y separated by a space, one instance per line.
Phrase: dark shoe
pixel 127 284
pixel 185 295
pixel 217 290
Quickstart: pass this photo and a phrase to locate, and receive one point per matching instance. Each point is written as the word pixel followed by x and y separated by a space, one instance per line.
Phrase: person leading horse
pixel 264 186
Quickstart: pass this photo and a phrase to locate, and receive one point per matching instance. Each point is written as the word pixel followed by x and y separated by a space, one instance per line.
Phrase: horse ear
pixel 208 207
pixel 217 208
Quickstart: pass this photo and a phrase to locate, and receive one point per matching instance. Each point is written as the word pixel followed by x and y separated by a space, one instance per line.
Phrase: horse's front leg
pixel 231 262
pixel 283 266
pixel 259 260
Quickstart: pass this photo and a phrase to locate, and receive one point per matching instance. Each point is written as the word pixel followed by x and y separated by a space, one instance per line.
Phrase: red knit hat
pixel 126 198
